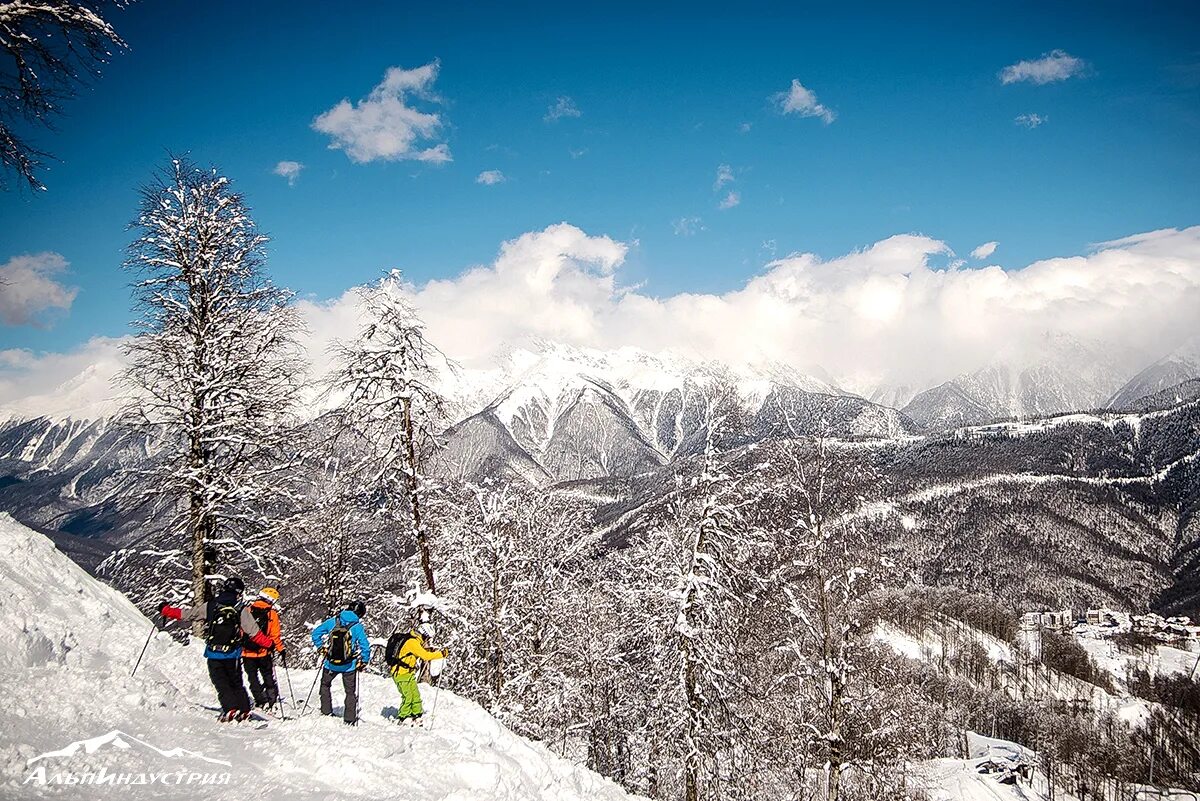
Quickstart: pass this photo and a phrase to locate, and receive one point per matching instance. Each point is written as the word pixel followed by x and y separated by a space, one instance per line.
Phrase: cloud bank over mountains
pixel 901 311
pixel 886 313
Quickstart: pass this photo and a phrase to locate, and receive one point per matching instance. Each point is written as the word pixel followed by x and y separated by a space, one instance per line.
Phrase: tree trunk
pixel 497 636
pixel 198 525
pixel 414 501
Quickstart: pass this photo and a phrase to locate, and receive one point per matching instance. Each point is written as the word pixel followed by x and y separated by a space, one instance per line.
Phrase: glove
pixel 360 667
pixel 283 657
pixel 445 653
pixel 161 608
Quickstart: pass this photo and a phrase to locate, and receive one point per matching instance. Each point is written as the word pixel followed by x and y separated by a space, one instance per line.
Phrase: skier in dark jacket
pixel 343 641
pixel 227 624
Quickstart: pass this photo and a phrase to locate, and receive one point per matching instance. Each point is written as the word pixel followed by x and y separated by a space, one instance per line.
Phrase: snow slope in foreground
pixel 68 642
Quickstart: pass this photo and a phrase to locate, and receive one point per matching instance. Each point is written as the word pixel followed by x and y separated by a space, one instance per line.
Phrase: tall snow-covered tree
pixel 48 48
pixel 828 564
pixel 386 383
pixel 695 575
pixel 214 366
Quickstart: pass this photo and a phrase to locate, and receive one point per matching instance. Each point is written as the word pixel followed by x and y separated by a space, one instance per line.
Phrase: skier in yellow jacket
pixel 406 651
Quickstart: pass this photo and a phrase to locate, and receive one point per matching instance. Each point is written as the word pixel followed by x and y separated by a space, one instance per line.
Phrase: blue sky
pixel 924 139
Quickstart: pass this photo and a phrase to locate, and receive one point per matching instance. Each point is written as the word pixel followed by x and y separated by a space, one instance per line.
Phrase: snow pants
pixel 349 684
pixel 226 678
pixel 410 695
pixel 260 670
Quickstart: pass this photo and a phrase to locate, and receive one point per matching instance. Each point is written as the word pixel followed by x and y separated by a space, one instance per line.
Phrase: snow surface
pixel 68 643
pixel 930 646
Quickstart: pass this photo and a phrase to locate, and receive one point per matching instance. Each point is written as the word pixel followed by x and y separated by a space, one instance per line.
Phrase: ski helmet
pixel 233 584
pixel 357 607
pixel 269 594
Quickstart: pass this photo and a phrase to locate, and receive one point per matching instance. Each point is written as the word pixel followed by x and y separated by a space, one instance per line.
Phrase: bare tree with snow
pixel 214 366
pixel 829 564
pixel 386 383
pixel 510 558
pixel 50 47
pixel 696 574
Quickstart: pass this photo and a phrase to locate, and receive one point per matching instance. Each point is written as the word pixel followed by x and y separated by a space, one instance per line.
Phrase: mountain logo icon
pixel 121 741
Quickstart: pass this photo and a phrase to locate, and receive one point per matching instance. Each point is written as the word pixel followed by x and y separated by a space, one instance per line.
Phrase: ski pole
pixel 312 687
pixel 275 684
pixel 291 693
pixel 433 706
pixel 150 636
pixel 437 683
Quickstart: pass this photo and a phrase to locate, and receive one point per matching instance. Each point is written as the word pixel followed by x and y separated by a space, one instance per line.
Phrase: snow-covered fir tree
pixel 695 573
pixel 214 368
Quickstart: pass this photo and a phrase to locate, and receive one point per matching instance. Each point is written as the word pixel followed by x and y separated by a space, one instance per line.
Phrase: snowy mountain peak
pixel 1180 365
pixel 1056 373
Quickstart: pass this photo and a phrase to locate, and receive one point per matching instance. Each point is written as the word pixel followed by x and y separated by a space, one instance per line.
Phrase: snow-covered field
pixel 68 643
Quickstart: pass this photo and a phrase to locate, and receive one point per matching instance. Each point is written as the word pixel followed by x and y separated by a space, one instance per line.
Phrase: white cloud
pixel 385 125
pixel 1057 65
pixel 984 250
pixel 730 200
pixel 557 284
pixel 724 176
pixel 803 101
pixel 490 178
pixel 745 127
pixel 1030 121
pixel 77 383
pixel 560 108
pixel 687 226
pixel 289 170
pixel 29 287
pixel 887 312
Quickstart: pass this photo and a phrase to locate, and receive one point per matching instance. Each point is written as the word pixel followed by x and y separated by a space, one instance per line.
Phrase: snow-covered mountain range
pixel 1065 375
pixel 529 389
pixel 1178 366
pixel 568 413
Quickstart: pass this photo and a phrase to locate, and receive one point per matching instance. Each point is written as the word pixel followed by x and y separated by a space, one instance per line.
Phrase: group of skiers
pixel 248 636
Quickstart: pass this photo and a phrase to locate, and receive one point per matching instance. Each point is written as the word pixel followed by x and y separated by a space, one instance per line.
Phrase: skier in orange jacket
pixel 259 661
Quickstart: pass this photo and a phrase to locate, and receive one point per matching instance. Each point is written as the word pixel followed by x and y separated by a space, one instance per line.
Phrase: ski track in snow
pixel 68 643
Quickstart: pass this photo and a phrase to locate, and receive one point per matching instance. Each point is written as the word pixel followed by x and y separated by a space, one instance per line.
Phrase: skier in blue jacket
pixel 343 641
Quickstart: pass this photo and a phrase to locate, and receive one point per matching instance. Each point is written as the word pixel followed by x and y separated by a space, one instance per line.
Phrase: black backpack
pixel 339 647
pixel 224 627
pixel 391 655
pixel 262 616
